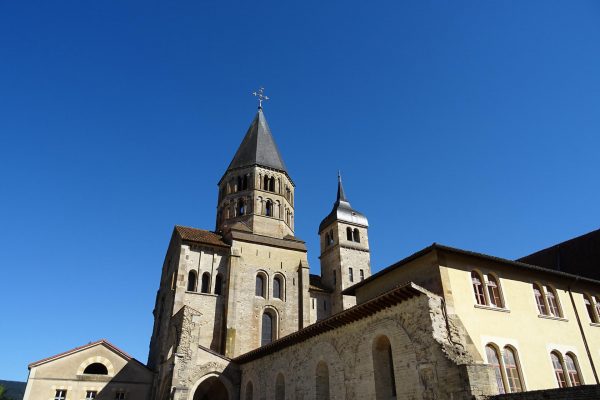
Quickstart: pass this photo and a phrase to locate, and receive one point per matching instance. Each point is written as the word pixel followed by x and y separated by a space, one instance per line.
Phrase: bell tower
pixel 345 257
pixel 256 194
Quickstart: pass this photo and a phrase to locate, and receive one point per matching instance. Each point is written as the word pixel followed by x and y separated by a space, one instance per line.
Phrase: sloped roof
pixel 580 255
pixel 388 299
pixel 102 342
pixel 258 147
pixel 200 236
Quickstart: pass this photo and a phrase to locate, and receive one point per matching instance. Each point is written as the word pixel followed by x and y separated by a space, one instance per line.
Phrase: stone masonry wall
pixel 428 363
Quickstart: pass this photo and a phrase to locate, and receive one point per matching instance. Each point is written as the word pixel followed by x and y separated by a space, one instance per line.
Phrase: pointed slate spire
pixel 343 211
pixel 341 196
pixel 258 147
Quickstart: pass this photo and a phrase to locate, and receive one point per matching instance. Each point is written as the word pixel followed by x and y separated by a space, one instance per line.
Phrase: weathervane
pixel 261 96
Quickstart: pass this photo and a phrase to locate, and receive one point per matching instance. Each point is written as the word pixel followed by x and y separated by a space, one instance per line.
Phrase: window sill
pixel 203 294
pixel 553 318
pixel 506 310
pixel 594 324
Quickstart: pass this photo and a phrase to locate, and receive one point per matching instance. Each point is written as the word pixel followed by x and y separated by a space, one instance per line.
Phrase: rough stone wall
pixel 428 363
pixel 245 308
pixel 587 392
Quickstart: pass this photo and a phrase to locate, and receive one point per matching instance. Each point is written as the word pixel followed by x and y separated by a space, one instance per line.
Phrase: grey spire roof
pixel 258 147
pixel 343 211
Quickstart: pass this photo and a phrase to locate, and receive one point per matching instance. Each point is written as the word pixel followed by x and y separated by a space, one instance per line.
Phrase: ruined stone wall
pixel 428 363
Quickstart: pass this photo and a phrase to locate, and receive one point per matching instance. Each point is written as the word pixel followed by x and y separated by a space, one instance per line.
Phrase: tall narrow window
pixel 192 281
pixel 245 182
pixel 267 329
pixel 280 387
pixel 219 284
pixel 266 183
pixel 277 288
pixel 513 374
pixel 330 237
pixel 322 381
pixel 559 370
pixel 494 291
pixel 239 184
pixel 351 274
pixel 349 234
pixel 597 305
pixel 494 361
pixel 249 391
pixel 539 299
pixel 356 235
pixel 478 288
pixel 260 286
pixel 383 367
pixel 334 278
pixel 572 370
pixel 205 288
pixel 61 394
pixel 269 208
pixel 552 301
pixel 362 275
pixel 120 395
pixel 241 208
pixel 587 300
pixel 272 184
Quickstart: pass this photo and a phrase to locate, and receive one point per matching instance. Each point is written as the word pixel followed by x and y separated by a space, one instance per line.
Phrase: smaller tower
pixel 345 257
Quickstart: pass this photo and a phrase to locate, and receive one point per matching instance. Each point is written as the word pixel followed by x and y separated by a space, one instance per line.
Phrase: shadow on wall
pixel 129 383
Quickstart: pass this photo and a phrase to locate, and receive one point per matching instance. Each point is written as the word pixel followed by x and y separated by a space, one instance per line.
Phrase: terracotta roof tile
pixel 200 236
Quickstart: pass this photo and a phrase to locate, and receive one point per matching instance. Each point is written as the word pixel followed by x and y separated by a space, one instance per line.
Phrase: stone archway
pixel 212 388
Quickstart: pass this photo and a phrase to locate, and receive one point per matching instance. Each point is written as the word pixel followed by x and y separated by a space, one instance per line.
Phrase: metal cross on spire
pixel 261 96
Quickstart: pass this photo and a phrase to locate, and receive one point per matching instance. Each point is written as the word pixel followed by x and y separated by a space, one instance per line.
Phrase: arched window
pixel 552 299
pixel 559 369
pixel 589 306
pixel 241 207
pixel 219 284
pixel 383 367
pixel 356 235
pixel 280 387
pixel 478 288
pixel 249 391
pixel 272 184
pixel 349 233
pixel 260 286
pixel 597 305
pixel 330 237
pixel 269 208
pixel 573 369
pixel 239 184
pixel 192 281
pixel 266 183
pixel 513 374
pixel 494 360
pixel 268 328
pixel 277 288
pixel 96 369
pixel 322 381
pixel 494 291
pixel 539 299
pixel 205 288
pixel 245 182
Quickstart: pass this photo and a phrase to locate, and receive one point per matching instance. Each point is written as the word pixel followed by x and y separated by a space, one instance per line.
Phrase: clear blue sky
pixel 471 123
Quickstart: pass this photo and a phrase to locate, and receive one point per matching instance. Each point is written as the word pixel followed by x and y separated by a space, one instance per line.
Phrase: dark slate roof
pixel 317 285
pixel 343 211
pixel 580 256
pixel 436 246
pixel 258 147
pixel 388 299
pixel 200 236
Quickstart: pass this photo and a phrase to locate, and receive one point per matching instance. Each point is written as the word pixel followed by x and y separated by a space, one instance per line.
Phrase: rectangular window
pixel 362 275
pixel 313 303
pixel 90 394
pixel 351 274
pixel 120 395
pixel 61 394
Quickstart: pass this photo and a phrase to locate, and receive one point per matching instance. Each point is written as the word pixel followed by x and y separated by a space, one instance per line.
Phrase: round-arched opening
pixel 211 388
pixel 96 369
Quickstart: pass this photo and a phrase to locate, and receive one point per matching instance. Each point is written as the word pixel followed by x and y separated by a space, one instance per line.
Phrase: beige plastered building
pixel 239 316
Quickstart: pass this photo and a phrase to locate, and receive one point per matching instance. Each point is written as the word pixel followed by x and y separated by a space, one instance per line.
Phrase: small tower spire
pixel 341 196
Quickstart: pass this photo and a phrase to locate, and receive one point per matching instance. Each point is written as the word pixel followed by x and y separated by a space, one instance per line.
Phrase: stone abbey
pixel 239 316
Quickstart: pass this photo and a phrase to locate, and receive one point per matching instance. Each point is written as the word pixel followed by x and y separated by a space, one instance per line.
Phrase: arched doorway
pixel 212 388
